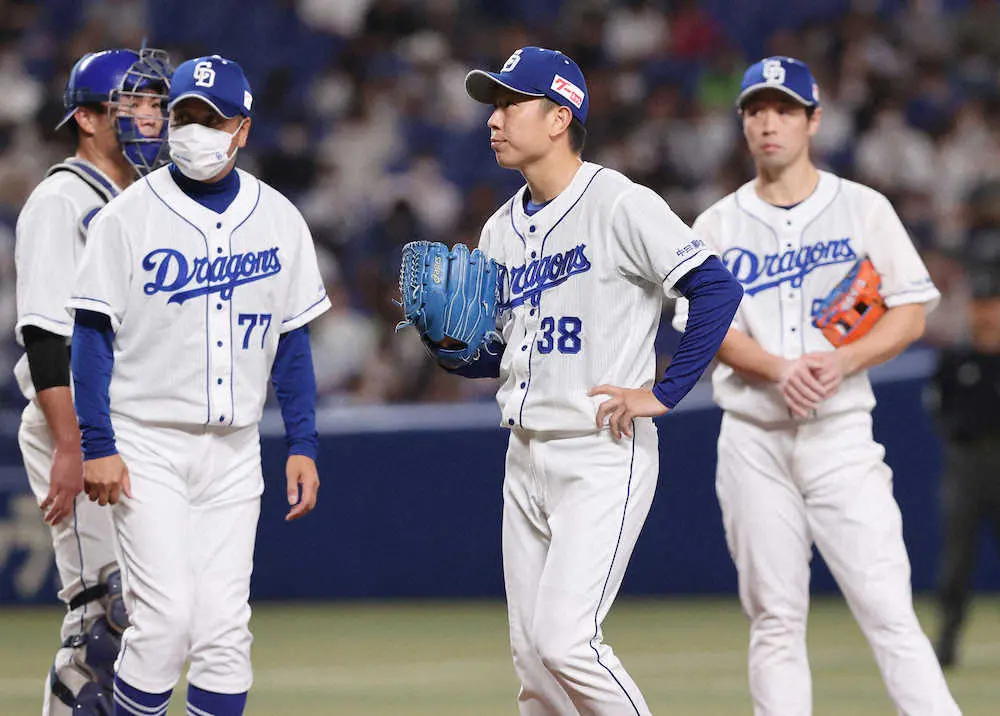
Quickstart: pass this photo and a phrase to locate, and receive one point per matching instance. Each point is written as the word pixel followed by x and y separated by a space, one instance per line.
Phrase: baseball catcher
pixel 852 307
pixel 450 297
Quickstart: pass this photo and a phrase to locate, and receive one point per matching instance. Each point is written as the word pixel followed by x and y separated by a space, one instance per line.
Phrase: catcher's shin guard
pixel 82 675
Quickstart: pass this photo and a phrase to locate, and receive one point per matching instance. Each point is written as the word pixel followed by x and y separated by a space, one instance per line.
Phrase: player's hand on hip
pixel 303 485
pixel 623 405
pixel 65 483
pixel 801 390
pixel 828 367
pixel 105 479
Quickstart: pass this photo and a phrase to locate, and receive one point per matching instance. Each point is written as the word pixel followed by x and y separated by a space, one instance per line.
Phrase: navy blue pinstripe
pixel 124 568
pixel 541 254
pixel 802 233
pixel 597 610
pixel 777 240
pixel 95 300
pixel 306 310
pixel 512 224
pixel 693 256
pixel 79 551
pixel 208 361
pixel 47 318
pixel 232 373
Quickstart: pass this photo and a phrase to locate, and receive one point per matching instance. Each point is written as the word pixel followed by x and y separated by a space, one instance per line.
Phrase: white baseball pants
pixel 573 509
pixel 83 543
pixel 187 538
pixel 823 482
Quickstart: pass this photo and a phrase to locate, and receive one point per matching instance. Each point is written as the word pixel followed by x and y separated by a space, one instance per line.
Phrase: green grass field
pixel 446 659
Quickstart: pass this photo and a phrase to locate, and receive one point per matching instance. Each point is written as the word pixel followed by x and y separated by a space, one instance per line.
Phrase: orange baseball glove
pixel 853 307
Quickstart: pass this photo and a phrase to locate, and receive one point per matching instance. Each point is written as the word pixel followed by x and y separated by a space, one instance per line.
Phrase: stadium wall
pixel 410 505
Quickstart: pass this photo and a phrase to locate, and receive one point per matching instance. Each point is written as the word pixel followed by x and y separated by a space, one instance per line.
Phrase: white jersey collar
pixel 546 217
pixel 167 190
pixel 804 212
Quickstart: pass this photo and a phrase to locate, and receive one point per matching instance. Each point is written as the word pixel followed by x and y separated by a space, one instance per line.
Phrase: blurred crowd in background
pixel 362 120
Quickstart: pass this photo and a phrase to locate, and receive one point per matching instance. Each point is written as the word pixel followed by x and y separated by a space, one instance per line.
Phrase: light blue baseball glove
pixel 450 297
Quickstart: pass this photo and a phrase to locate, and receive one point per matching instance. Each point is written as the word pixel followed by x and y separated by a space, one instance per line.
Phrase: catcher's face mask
pixel 139 110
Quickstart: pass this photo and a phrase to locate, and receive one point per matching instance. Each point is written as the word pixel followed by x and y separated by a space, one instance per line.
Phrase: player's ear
pixel 814 121
pixel 560 119
pixel 86 119
pixel 241 136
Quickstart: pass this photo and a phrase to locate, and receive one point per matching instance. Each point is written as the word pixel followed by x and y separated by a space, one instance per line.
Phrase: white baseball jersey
pixel 582 285
pixel 197 299
pixel 787 259
pixel 51 234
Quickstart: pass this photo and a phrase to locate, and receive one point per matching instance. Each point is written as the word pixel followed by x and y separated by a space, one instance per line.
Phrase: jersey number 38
pixel 562 334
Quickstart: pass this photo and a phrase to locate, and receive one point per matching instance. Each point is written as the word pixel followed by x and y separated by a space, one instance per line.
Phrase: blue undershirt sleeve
pixel 92 359
pixel 295 387
pixel 714 295
pixel 487 365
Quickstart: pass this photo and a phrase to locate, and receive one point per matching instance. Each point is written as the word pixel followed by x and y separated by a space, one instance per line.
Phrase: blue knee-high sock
pixel 210 703
pixel 129 701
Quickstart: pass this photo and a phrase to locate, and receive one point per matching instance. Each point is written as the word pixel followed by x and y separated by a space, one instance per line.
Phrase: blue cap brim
pixel 226 110
pixel 483 87
pixel 68 116
pixel 760 86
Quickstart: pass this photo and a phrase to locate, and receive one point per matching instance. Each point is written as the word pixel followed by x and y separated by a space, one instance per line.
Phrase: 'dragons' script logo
pixel 173 272
pixel 526 283
pixel 760 272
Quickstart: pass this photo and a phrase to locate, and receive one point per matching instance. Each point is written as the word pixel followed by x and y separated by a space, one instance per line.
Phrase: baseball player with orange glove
pixel 832 286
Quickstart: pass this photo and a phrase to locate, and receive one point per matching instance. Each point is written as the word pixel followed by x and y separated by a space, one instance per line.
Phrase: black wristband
pixel 48 357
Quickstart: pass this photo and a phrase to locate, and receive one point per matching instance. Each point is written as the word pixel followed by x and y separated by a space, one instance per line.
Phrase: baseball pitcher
pixel 561 301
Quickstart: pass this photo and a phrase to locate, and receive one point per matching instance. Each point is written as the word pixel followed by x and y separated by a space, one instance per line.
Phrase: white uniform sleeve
pixel 104 274
pixel 904 276
pixel 489 247
pixel 47 234
pixel 652 242
pixel 307 297
pixel 706 227
pixel 485 241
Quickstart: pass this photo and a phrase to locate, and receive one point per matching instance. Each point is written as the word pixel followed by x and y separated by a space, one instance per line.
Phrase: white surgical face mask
pixel 200 152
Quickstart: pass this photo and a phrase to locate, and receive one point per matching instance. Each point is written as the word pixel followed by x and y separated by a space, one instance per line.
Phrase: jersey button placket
pixel 533 253
pixel 530 316
pixel 219 330
pixel 790 295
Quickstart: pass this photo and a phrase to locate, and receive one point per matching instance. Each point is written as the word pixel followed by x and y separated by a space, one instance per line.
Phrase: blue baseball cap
pixel 215 80
pixel 785 74
pixel 534 72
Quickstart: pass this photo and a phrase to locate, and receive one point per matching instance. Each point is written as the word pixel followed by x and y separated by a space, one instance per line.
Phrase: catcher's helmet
pixel 109 75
